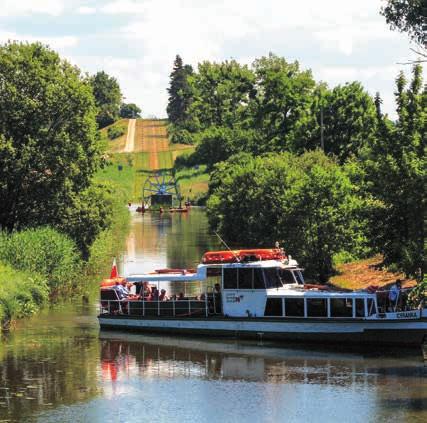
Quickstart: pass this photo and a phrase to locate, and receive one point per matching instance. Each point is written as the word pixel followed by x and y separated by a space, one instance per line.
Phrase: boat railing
pixel 399 301
pixel 187 307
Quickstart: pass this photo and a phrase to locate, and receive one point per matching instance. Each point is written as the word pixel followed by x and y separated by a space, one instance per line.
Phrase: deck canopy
pixel 183 276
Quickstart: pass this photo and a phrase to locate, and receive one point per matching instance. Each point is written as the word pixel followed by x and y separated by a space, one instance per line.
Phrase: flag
pixel 114 273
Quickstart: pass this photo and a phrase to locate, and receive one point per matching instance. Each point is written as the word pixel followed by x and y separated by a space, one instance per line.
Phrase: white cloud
pixel 28 7
pixel 85 10
pixel 56 43
pixel 124 7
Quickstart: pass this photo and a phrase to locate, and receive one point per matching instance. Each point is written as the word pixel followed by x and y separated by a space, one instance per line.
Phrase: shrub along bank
pixel 41 264
pixel 21 293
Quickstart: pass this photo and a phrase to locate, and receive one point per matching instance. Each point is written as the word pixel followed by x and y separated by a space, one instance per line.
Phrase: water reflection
pixel 168 240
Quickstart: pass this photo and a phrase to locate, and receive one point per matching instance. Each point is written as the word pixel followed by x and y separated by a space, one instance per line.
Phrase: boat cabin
pixel 268 288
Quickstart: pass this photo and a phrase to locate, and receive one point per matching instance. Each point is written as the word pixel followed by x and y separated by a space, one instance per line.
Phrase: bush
pixel 46 252
pixel 21 293
pixel 114 132
pixel 180 136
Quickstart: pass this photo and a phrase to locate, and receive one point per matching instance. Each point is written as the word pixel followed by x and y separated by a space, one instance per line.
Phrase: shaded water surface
pixel 59 367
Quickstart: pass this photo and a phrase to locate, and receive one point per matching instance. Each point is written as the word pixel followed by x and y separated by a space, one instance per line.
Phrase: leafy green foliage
pixel 221 93
pixel 281 106
pixel 396 172
pixel 308 202
pixel 21 293
pixel 114 132
pixel 108 98
pixel 48 140
pixel 407 16
pixel 130 111
pixel 349 121
pixel 43 251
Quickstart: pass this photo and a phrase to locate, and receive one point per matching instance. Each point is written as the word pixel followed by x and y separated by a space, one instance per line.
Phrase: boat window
pixel 286 276
pixel 299 277
pixel 272 279
pixel 294 307
pixel 341 307
pixel 230 278
pixel 371 307
pixel 258 280
pixel 360 307
pixel 273 307
pixel 245 278
pixel 317 307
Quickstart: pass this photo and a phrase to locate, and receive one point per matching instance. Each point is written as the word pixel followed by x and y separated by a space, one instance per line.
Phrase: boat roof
pixel 201 273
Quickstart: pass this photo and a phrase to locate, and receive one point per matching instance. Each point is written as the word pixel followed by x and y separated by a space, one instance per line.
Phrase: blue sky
pixel 136 40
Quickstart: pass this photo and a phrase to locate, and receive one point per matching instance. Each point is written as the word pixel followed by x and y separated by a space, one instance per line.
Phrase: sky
pixel 136 41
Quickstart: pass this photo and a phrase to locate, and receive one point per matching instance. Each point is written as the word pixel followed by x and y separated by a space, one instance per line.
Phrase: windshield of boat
pixel 286 276
pixel 272 278
pixel 299 277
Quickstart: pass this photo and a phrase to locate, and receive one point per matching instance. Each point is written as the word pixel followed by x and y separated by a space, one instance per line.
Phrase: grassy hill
pixel 152 153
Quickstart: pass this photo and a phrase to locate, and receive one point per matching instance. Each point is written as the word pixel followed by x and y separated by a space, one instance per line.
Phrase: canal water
pixel 59 367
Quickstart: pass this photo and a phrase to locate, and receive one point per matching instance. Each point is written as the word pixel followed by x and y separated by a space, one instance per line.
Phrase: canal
pixel 58 366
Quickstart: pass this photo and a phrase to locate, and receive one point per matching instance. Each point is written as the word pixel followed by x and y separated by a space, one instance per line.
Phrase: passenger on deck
pixel 202 297
pixel 154 296
pixel 180 296
pixel 394 294
pixel 163 296
pixel 125 288
pixel 121 293
pixel 217 288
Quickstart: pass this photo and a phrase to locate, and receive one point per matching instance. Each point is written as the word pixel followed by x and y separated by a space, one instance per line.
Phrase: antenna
pixel 232 252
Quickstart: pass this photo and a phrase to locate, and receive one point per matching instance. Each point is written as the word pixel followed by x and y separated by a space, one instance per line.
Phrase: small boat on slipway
pixel 259 294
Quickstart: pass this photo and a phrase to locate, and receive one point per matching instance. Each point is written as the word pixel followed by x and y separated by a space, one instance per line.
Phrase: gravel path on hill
pixel 130 139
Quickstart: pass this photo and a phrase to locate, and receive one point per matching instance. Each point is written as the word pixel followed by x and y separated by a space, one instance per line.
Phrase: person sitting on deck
pixel 180 296
pixel 121 292
pixel 154 296
pixel 163 296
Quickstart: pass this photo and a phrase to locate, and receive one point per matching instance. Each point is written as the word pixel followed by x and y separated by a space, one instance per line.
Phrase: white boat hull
pixel 397 332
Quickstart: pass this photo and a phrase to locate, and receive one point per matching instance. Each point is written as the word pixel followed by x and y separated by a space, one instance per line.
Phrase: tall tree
pixel 48 146
pixel 281 103
pixel 108 98
pixel 221 93
pixel 397 169
pixel 48 141
pixel 408 16
pixel 180 95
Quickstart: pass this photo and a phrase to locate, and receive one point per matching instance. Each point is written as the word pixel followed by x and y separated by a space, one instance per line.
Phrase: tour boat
pixel 260 294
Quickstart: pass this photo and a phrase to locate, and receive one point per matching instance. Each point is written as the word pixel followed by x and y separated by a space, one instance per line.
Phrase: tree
pixel 217 144
pixel 349 121
pixel 307 201
pixel 129 111
pixel 108 98
pixel 180 95
pixel 280 105
pixel 221 93
pixel 408 16
pixel 48 137
pixel 396 167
